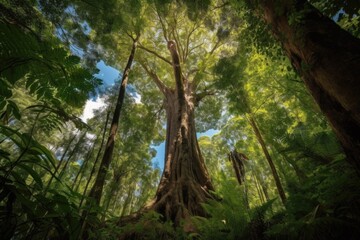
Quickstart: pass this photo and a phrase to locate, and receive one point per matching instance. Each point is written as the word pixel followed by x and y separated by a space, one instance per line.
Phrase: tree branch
pixel 178 42
pixel 162 87
pixel 154 53
pixel 200 96
pixel 188 42
pixel 217 44
pixel 163 26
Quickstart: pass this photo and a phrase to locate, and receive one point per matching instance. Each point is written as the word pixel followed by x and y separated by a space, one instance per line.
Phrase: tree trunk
pixel 96 191
pixel 262 185
pixel 237 159
pixel 328 60
pixel 185 182
pixel 93 169
pixel 257 185
pixel 268 158
pixel 73 151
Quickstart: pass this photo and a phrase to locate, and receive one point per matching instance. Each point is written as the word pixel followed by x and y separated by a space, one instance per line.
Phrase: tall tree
pixel 326 57
pixel 185 182
pixel 96 191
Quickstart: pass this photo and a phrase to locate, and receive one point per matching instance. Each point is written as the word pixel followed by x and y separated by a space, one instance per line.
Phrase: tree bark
pixel 237 159
pixel 328 60
pixel 96 191
pixel 268 158
pixel 185 182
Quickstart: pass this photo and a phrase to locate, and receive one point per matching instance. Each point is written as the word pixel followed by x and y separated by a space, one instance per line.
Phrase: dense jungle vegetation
pixel 253 107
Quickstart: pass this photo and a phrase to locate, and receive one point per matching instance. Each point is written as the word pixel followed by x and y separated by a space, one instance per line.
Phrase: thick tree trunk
pixel 328 59
pixel 185 182
pixel 268 158
pixel 96 191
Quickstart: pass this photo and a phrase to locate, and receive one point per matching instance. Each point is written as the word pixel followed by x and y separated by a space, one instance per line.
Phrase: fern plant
pixel 26 208
pixel 231 218
pixel 325 206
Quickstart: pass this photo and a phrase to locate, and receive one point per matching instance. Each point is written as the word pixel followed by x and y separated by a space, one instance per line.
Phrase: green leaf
pixel 2 104
pixel 5 90
pixel 4 154
pixel 32 172
pixel 15 110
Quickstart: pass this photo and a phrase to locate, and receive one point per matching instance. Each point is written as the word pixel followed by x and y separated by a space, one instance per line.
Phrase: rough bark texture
pixel 328 59
pixel 268 158
pixel 97 188
pixel 185 182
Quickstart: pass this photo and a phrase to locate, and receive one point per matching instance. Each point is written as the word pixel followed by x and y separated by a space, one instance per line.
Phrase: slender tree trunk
pixel 82 169
pixel 268 158
pixel 257 185
pixel 125 208
pixel 263 187
pixel 114 187
pixel 92 172
pixel 328 60
pixel 73 151
pixel 96 191
pixel 237 159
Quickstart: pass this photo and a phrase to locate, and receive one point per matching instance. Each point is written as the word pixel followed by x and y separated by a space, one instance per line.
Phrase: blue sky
pixel 107 74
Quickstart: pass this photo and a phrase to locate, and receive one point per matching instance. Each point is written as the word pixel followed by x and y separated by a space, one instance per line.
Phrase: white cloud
pixel 90 106
pixel 137 98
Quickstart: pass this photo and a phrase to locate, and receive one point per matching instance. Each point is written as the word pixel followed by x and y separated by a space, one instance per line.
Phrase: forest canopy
pixel 227 119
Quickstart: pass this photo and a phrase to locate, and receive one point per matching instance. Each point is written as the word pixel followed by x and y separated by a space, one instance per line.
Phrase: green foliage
pixel 332 7
pixel 326 206
pixel 43 172
pixel 149 226
pixel 230 72
pixel 44 68
pixel 321 147
pixel 28 208
pixel 209 113
pixel 231 218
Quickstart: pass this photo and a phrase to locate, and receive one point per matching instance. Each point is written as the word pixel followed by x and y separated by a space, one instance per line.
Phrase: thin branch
pixel 194 70
pixel 265 101
pixel 130 35
pixel 193 48
pixel 162 87
pixel 162 107
pixel 179 46
pixel 217 44
pixel 163 26
pixel 202 95
pixel 154 53
pixel 188 42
